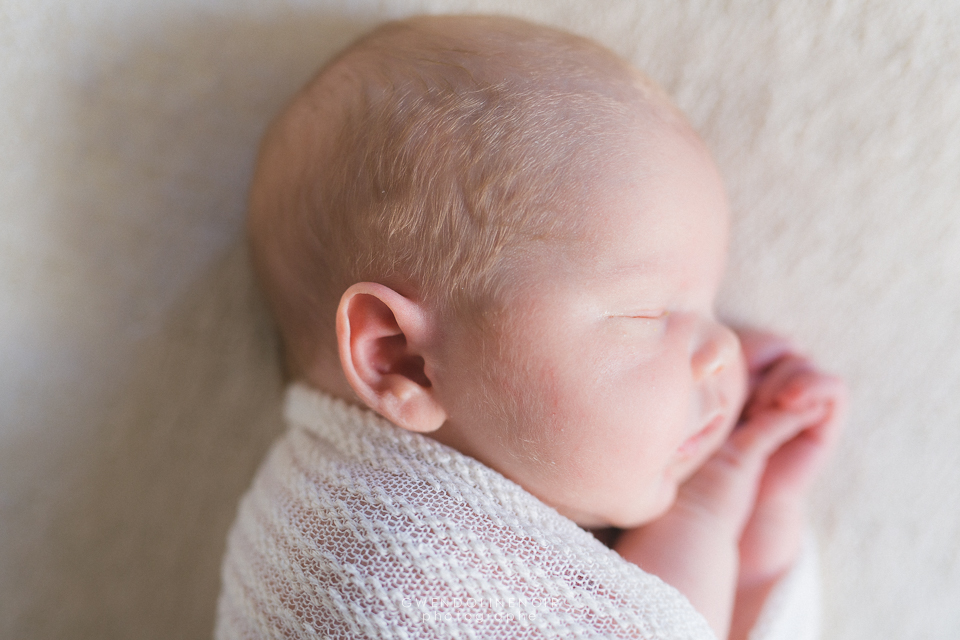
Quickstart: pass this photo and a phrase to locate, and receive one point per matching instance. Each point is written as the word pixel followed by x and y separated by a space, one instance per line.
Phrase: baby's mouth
pixel 695 443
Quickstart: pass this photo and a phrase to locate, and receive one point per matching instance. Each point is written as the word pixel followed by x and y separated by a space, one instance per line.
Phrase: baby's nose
pixel 719 347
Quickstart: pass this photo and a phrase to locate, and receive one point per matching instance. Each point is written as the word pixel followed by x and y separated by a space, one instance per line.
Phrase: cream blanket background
pixel 138 383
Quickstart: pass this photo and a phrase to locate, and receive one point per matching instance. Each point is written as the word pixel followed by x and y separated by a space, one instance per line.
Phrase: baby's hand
pixel 694 546
pixel 784 383
pixel 736 524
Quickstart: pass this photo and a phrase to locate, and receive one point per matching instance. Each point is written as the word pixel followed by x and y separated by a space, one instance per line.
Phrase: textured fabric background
pixel 138 381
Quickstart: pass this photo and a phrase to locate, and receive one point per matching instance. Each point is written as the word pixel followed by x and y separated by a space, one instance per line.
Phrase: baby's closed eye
pixel 644 324
pixel 646 314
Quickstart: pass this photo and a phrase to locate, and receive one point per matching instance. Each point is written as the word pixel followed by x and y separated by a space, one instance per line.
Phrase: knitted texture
pixel 357 528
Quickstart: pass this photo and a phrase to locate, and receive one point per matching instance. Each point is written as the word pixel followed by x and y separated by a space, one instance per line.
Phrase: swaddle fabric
pixel 356 528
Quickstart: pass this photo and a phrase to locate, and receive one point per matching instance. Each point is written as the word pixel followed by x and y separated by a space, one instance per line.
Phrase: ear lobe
pixel 382 338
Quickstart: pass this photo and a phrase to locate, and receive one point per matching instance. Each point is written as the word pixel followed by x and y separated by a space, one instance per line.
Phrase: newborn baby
pixel 492 250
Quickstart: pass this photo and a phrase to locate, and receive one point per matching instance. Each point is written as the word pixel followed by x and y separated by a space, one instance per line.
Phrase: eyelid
pixel 658 314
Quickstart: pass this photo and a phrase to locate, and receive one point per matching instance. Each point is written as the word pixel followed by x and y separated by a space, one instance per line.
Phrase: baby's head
pixel 505 237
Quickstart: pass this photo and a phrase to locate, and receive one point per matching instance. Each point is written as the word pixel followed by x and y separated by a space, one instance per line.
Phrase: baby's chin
pixel 653 507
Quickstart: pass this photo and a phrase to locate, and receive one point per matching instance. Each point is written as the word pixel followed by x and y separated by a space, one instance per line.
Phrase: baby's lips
pixel 692 445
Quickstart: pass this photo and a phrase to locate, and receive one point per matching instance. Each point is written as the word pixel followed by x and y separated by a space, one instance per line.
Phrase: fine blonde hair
pixel 428 156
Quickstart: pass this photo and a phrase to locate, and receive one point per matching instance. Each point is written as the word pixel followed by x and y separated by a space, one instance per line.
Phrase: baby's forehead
pixel 657 199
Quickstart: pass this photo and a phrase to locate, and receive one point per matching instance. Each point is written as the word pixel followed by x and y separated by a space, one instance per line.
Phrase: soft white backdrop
pixel 138 380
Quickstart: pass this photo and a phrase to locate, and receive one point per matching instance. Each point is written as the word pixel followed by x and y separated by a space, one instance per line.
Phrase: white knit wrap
pixel 356 528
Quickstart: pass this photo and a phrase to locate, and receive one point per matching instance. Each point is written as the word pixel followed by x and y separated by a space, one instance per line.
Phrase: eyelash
pixel 657 316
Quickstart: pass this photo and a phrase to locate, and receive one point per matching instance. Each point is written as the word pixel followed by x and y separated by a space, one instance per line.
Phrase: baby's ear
pixel 383 339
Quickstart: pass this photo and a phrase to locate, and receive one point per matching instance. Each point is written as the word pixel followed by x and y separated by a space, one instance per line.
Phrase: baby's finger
pixel 810 387
pixel 726 484
pixel 792 467
pixel 774 380
pixel 762 348
pixel 758 438
pixel 833 401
